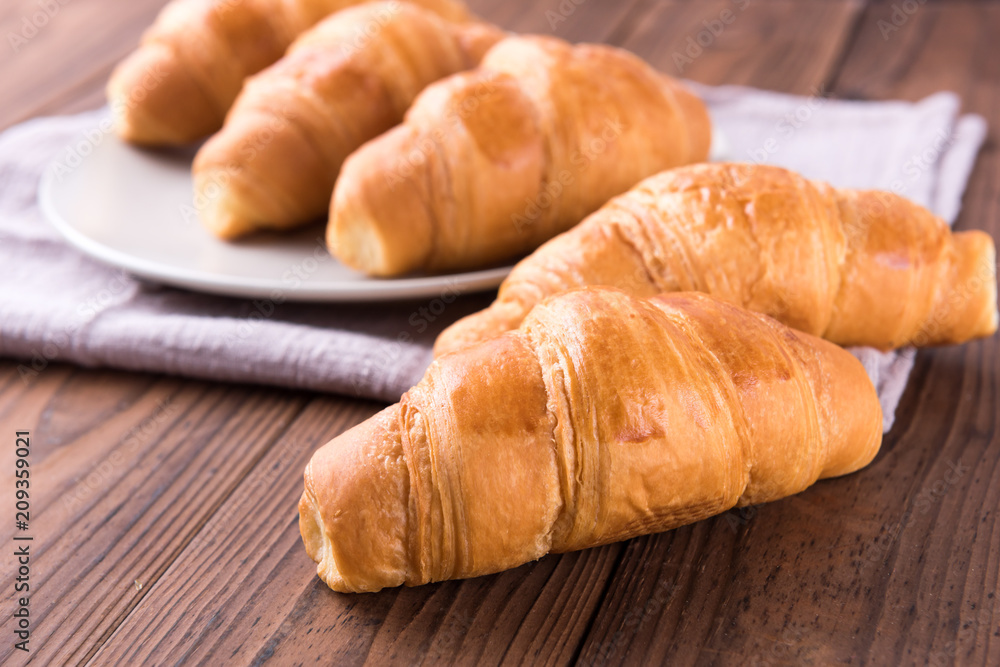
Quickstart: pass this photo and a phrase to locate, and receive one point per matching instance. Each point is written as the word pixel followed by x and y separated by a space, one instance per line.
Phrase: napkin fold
pixel 923 151
pixel 57 304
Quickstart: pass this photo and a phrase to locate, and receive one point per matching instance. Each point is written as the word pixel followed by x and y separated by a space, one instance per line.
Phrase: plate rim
pixel 370 289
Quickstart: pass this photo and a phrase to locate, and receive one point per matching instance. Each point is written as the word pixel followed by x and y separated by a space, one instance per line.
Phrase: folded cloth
pixel 56 304
pixel 923 151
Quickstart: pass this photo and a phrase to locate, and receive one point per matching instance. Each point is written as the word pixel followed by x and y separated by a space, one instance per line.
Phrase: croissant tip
pixel 316 540
pixel 355 241
pixel 157 102
pixel 310 525
pixel 217 205
pixel 990 261
pixel 974 295
pixel 451 338
pixel 123 116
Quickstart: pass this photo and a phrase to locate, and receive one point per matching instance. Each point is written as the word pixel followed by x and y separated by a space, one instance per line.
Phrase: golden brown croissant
pixel 490 163
pixel 605 416
pixel 855 267
pixel 180 82
pixel 275 161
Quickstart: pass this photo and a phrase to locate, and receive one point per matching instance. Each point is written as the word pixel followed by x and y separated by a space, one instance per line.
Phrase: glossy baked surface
pixel 895 563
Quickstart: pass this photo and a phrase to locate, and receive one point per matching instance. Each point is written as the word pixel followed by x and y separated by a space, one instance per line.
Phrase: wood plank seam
pixel 148 586
pixel 847 42
pixel 627 27
pixel 133 601
pixel 199 536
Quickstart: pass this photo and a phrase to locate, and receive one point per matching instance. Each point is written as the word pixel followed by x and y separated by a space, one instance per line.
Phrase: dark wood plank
pixel 896 564
pixel 225 579
pixel 68 51
pixel 62 66
pixel 270 606
pixel 774 44
pixel 548 617
pixel 126 468
pixel 942 592
pixel 262 599
pixel 230 573
pixel 576 21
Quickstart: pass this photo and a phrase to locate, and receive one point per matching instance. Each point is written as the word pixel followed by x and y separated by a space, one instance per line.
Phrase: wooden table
pixel 164 508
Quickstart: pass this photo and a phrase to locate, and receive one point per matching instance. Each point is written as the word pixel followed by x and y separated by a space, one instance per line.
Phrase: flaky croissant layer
pixel 343 82
pixel 855 267
pixel 180 82
pixel 489 164
pixel 603 417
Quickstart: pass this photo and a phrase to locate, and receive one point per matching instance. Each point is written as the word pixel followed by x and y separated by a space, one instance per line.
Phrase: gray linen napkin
pixel 56 304
pixel 923 151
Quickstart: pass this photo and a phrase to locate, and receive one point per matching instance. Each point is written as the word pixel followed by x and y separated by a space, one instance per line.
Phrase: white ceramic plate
pixel 132 209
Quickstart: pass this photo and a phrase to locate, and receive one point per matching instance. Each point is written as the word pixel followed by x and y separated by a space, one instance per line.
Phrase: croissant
pixel 180 82
pixel 490 163
pixel 855 267
pixel 275 161
pixel 604 417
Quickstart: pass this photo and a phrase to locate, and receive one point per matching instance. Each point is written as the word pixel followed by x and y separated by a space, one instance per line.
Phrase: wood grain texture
pixel 576 21
pixel 124 477
pixel 943 583
pixel 226 577
pixel 896 563
pixel 773 44
pixel 546 607
pixel 189 488
pixel 57 54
